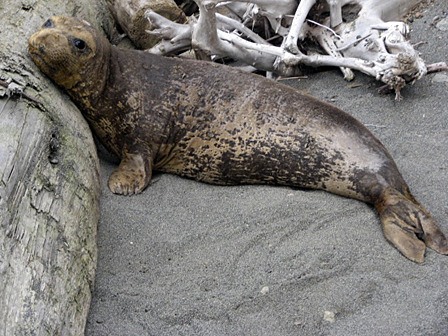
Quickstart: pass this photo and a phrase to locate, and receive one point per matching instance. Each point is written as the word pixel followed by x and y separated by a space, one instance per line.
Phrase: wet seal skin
pixel 217 125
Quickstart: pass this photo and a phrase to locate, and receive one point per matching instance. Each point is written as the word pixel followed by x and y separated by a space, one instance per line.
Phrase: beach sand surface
pixel 187 258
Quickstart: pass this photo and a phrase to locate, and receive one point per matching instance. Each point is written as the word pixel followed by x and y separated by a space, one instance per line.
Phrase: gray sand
pixel 186 258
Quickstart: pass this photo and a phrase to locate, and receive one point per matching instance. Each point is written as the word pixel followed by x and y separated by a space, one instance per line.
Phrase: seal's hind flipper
pixel 408 226
pixel 434 237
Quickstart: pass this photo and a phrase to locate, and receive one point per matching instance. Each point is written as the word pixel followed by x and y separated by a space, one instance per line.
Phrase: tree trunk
pixel 49 185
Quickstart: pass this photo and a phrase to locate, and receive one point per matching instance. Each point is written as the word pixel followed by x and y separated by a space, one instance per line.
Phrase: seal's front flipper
pixel 132 175
pixel 408 226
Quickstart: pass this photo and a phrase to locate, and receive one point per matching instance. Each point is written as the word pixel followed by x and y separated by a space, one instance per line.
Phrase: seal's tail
pixel 408 226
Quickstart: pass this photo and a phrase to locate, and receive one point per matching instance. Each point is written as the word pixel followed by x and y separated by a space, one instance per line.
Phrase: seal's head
pixel 68 51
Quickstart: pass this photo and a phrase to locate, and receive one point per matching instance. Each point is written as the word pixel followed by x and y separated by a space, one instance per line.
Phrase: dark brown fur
pixel 218 125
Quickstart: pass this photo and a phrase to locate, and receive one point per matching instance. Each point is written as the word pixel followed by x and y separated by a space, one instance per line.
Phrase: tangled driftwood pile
pixel 281 37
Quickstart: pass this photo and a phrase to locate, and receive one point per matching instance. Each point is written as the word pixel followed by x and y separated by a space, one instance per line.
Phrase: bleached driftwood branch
pixel 356 35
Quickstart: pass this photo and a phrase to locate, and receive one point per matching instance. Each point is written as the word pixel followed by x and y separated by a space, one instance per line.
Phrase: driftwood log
pixel 131 15
pixel 49 185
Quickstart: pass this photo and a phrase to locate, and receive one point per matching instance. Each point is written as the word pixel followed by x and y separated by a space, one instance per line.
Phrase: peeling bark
pixel 49 185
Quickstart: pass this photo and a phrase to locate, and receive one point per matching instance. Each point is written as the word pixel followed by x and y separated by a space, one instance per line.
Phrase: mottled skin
pixel 217 125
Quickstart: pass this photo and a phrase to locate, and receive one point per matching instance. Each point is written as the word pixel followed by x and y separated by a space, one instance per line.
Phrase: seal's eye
pixel 79 44
pixel 48 24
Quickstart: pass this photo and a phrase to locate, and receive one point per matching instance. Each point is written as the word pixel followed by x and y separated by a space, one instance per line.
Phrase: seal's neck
pixel 88 91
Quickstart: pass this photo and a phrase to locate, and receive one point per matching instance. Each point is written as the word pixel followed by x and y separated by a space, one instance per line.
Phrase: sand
pixel 186 258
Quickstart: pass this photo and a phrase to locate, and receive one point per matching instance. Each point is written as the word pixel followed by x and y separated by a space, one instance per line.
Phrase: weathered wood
pixel 357 35
pixel 131 16
pixel 49 186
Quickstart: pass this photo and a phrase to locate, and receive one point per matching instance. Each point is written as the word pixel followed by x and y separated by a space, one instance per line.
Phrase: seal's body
pixel 218 125
pixel 210 123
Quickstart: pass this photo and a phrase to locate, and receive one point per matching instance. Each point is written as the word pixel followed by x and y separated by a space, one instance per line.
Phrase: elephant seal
pixel 217 125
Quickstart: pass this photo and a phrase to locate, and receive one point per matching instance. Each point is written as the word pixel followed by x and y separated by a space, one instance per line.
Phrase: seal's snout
pixel 43 39
pixel 34 47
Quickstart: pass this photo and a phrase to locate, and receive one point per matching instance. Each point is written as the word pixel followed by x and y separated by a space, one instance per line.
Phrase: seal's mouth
pixel 35 55
pixel 38 58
